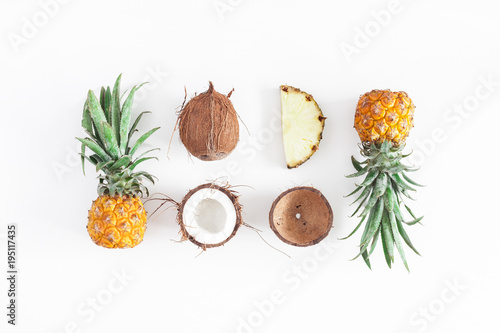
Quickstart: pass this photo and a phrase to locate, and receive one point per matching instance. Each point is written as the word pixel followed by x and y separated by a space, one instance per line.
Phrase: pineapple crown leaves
pixel 383 190
pixel 107 124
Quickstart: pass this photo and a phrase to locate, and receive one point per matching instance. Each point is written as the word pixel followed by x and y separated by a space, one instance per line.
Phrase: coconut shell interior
pixel 301 216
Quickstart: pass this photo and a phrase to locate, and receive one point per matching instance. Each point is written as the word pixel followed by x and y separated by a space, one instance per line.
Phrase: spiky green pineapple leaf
pixel 96 136
pixel 359 173
pixel 95 148
pixel 380 184
pixel 125 118
pixel 375 240
pixel 146 175
pixel 389 199
pixel 365 194
pixel 98 117
pixel 147 152
pixel 370 204
pixel 387 240
pixel 364 237
pixel 103 166
pixel 405 237
pixel 141 140
pixel 95 139
pixel 138 161
pixel 372 226
pixel 86 119
pixel 94 158
pixel 412 222
pixel 82 156
pixel 375 222
pixel 409 180
pixel 354 192
pixel 121 162
pixel 370 178
pixel 406 194
pixel 102 98
pixel 356 164
pixel 110 140
pixel 397 241
pixel 134 126
pixel 95 109
pixel 107 104
pixel 366 259
pixel 115 108
pixel 359 207
pixel 400 182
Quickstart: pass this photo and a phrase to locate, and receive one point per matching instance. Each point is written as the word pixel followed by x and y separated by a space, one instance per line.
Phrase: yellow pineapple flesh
pixel 384 115
pixel 302 122
pixel 117 222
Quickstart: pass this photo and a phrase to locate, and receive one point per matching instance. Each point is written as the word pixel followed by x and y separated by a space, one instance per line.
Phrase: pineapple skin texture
pixel 117 222
pixel 384 115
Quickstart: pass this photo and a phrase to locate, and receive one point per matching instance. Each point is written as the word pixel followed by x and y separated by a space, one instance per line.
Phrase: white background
pixel 440 52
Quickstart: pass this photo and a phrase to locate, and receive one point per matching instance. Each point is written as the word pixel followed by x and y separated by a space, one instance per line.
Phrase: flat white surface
pixel 440 52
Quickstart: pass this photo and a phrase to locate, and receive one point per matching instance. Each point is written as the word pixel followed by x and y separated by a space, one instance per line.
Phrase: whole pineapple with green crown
pixel 117 218
pixel 383 121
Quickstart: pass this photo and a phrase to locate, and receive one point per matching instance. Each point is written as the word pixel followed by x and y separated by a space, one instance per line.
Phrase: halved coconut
pixel 301 216
pixel 209 215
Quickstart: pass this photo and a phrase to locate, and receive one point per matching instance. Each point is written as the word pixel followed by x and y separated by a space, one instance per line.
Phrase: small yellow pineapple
pixel 383 121
pixel 118 221
pixel 384 115
pixel 117 218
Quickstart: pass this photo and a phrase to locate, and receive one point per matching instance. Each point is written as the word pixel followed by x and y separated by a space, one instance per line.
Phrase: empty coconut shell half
pixel 301 216
pixel 208 125
pixel 209 215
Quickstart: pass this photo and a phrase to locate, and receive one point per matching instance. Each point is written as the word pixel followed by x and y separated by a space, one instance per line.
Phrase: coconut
pixel 208 125
pixel 209 215
pixel 301 216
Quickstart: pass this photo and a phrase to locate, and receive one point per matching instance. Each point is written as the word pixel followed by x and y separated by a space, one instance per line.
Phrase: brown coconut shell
pixel 208 125
pixel 233 196
pixel 301 216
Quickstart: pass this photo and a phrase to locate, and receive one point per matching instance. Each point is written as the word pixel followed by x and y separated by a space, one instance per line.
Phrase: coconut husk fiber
pixel 208 125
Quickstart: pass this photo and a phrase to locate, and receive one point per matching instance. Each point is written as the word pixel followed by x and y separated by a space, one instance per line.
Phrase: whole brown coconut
pixel 301 216
pixel 208 125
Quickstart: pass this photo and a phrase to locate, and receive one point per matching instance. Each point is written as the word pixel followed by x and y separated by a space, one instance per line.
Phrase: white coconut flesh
pixel 209 216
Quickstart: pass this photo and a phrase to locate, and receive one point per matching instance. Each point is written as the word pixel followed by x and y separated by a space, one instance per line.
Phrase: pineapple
pixel 302 123
pixel 383 121
pixel 117 218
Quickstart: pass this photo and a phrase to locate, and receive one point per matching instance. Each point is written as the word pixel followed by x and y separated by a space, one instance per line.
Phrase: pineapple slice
pixel 302 123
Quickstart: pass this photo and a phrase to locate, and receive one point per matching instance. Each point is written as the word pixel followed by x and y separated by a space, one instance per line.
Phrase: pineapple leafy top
pixel 383 192
pixel 107 124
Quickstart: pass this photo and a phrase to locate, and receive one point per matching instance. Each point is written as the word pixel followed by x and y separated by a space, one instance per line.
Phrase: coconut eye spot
pixel 221 155
pixel 304 227
pixel 210 215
